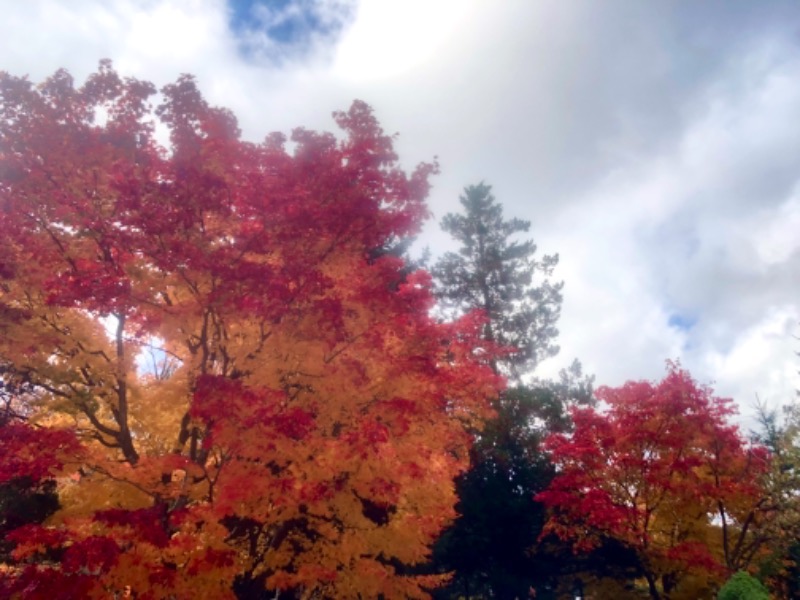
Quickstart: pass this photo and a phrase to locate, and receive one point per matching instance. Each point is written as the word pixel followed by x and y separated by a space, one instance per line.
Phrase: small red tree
pixel 658 468
pixel 303 417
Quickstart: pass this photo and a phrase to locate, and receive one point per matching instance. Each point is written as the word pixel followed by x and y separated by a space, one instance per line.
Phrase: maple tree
pixel 209 349
pixel 662 470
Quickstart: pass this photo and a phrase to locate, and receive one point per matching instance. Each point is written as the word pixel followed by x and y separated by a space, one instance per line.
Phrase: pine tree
pixel 497 274
pixel 492 545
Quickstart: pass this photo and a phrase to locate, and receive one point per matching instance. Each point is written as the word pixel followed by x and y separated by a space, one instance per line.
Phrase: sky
pixel 655 146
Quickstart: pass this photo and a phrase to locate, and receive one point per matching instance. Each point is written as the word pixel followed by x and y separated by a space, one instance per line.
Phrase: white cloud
pixel 390 40
pixel 755 367
pixel 775 235
pixel 654 148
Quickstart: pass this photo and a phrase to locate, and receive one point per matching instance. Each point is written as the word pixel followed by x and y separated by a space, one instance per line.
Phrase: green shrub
pixel 743 586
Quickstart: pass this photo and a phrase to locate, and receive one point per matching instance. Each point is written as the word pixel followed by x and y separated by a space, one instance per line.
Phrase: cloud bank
pixel 654 146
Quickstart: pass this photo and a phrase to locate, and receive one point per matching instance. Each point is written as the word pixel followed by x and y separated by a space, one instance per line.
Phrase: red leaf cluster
pixel 658 467
pixel 35 453
pixel 302 416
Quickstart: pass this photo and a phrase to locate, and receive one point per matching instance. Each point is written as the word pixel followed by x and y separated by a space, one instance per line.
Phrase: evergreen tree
pixel 780 567
pixel 497 274
pixel 493 546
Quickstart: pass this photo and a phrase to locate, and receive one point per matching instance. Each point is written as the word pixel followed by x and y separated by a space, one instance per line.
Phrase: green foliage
pixel 490 545
pixel 743 586
pixel 780 432
pixel 493 547
pixel 494 273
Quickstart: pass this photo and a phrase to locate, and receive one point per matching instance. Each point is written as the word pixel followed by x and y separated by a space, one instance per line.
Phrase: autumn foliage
pixel 211 347
pixel 659 468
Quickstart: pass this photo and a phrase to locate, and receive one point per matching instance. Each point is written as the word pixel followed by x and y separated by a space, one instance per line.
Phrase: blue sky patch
pixel 682 322
pixel 277 29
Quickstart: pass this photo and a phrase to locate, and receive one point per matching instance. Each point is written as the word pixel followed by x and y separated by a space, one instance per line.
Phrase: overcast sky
pixel 654 145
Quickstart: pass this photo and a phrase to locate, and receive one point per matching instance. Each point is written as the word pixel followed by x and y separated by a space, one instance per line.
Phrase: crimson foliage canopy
pixel 210 346
pixel 659 468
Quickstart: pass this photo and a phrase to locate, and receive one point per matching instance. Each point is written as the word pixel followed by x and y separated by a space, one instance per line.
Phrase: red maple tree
pixel 301 418
pixel 659 468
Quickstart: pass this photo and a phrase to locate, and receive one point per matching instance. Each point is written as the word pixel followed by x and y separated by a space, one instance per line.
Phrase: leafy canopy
pixel 300 418
pixel 662 471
